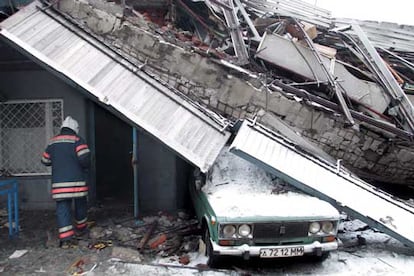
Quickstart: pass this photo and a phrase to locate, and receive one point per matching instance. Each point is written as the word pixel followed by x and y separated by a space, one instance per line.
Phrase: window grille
pixel 25 128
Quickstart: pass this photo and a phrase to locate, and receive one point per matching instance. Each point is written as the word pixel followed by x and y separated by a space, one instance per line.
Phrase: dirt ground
pixel 114 234
pixel 173 249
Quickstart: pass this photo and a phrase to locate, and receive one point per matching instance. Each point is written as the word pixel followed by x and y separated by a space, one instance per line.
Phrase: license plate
pixel 282 252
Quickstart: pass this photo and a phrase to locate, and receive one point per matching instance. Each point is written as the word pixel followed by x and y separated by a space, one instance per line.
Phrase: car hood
pixel 238 188
pixel 289 205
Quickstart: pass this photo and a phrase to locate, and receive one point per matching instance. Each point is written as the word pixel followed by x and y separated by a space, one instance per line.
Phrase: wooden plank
pixel 147 235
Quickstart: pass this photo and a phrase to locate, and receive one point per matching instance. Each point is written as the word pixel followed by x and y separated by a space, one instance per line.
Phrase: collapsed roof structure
pixel 345 85
pixel 188 71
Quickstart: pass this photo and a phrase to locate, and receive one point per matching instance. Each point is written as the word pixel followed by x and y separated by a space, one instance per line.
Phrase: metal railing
pixel 10 188
pixel 25 127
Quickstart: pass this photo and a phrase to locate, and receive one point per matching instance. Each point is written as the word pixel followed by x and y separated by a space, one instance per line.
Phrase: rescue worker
pixel 69 156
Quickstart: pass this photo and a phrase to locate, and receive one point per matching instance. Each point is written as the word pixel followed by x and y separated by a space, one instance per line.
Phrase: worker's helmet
pixel 71 123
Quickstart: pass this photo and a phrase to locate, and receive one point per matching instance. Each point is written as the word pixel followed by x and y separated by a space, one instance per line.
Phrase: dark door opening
pixel 113 152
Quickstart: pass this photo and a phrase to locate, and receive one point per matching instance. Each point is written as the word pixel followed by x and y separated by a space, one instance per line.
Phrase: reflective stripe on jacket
pixel 69 156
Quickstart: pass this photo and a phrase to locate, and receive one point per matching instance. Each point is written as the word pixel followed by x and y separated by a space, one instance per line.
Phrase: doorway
pixel 113 152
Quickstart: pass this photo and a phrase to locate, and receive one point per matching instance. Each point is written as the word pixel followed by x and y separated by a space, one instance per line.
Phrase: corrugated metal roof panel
pixel 112 80
pixel 294 8
pixel 384 34
pixel 319 178
pixel 381 34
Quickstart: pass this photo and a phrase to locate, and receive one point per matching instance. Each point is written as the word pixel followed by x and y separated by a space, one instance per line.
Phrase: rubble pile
pixel 113 236
pixel 3 217
pixel 275 61
pixel 163 236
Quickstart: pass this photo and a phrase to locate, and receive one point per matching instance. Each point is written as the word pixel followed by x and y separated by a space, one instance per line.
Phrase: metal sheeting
pixel 293 8
pixel 384 34
pixel 87 64
pixel 300 60
pixel 381 34
pixel 344 191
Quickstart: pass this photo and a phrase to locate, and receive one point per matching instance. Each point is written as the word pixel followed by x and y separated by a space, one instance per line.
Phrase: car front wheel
pixel 321 258
pixel 212 258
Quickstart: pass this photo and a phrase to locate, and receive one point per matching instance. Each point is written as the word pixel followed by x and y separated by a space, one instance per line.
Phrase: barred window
pixel 25 127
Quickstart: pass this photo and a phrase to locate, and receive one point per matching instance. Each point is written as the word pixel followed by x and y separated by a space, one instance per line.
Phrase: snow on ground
pixel 362 251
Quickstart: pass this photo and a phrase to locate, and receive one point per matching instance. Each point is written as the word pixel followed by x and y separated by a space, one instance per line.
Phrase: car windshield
pixel 242 176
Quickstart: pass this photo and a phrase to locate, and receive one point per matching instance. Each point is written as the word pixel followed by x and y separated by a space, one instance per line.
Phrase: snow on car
pixel 245 211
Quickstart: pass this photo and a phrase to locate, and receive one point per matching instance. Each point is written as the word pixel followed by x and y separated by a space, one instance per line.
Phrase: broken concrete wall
pixel 239 95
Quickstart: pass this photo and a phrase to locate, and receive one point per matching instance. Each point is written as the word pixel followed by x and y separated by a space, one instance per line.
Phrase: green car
pixel 246 212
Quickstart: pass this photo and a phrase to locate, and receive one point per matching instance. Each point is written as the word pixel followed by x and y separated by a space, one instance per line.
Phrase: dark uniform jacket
pixel 69 156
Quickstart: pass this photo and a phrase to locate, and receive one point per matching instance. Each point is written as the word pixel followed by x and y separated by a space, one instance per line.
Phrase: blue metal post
pixel 16 208
pixel 135 168
pixel 9 211
pixel 10 188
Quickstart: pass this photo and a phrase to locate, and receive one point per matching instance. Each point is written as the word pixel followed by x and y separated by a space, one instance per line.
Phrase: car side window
pixel 199 179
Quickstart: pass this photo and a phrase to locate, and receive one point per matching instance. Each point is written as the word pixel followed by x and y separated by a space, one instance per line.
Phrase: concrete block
pixel 406 156
pixel 375 144
pixel 321 122
pixel 125 254
pixel 355 139
pixel 349 134
pixel 367 143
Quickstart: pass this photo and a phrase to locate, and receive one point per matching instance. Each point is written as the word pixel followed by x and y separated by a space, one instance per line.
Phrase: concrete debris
pixel 156 241
pixel 81 266
pixel 184 259
pixel 126 254
pixel 18 253
pixel 164 235
pixel 3 218
pixel 147 235
pixel 222 54
pixel 97 233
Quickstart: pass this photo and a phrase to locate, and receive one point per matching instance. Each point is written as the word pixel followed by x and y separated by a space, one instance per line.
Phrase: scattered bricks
pixel 343 147
pixel 198 90
pixel 357 151
pixel 125 254
pixel 341 133
pixel 367 143
pixel 293 112
pixel 184 259
pixel 328 136
pixel 206 102
pixel 334 153
pixel 158 240
pixel 355 139
pixel 406 156
pixel 349 134
pixel 353 158
pixel 97 233
pixel 382 161
pixel 370 165
pixel 147 235
pixel 281 107
pixel 183 89
pixel 374 145
pixel 209 92
pixel 321 123
pixel 360 163
pixel 304 118
pixel 250 109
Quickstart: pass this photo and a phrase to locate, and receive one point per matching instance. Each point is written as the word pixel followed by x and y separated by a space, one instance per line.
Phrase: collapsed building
pixel 187 73
pixel 326 79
